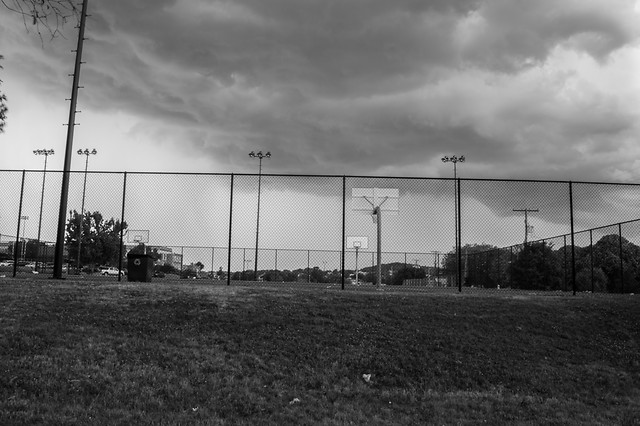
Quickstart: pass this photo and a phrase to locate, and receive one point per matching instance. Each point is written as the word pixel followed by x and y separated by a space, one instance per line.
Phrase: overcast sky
pixel 524 89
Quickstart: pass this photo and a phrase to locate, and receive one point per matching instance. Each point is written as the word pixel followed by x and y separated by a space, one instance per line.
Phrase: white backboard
pixel 138 236
pixel 366 199
pixel 360 242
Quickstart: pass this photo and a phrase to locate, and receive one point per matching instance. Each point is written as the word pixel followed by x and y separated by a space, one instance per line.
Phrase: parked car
pixel 111 271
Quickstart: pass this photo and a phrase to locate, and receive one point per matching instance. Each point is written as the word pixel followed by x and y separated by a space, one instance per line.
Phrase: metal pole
pixel 15 246
pixel 573 245
pixel 124 194
pixel 260 156
pixel 591 255
pixel 64 193
pixel 342 244
pixel 46 153
pixel 459 241
pixel 230 232
pixel 378 213
pixel 564 252
pixel 255 268
pixel 81 224
pixel 357 271
pixel 621 263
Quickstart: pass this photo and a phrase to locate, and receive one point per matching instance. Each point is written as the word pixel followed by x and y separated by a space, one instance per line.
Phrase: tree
pixel 407 273
pixel 100 238
pixel 50 15
pixel 483 265
pixel 537 267
pixel 606 256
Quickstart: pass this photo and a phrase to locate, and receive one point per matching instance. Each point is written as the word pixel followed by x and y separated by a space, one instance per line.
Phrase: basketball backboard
pixel 139 236
pixel 365 200
pixel 357 242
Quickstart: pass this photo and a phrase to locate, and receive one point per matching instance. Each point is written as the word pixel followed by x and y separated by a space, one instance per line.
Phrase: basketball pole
pixel 378 213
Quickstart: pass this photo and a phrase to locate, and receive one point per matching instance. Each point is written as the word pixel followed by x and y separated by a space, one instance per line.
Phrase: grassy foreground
pixel 77 353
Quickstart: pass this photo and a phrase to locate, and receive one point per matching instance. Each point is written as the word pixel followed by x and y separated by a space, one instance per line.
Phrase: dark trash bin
pixel 140 267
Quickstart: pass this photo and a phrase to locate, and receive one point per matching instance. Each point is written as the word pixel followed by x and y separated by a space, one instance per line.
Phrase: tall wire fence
pixel 302 230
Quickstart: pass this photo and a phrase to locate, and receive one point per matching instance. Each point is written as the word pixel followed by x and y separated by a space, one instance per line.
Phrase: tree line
pixel 612 264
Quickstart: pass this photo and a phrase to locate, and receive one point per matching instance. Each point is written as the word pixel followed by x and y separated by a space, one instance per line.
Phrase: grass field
pixel 191 353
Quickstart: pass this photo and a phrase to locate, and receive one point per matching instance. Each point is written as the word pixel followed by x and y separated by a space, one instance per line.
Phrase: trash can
pixel 140 267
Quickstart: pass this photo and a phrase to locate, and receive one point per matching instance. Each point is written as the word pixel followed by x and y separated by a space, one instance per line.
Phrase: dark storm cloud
pixel 368 87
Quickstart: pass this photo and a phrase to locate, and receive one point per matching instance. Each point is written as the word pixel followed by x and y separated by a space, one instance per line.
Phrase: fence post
pixel 459 239
pixel 564 252
pixel 230 228
pixel 124 194
pixel 591 257
pixel 621 263
pixel 342 244
pixel 308 266
pixel 510 269
pixel 213 274
pixel 545 276
pixel 15 246
pixel 573 246
pixel 181 260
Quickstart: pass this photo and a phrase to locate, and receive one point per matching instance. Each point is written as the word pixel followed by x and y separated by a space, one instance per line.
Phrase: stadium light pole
pixel 455 160
pixel 86 153
pixel 46 153
pixel 259 155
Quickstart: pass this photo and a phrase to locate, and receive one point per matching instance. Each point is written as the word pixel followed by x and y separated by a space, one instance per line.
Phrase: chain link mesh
pixel 303 230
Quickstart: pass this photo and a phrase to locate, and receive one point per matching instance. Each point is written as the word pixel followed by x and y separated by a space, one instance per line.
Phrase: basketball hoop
pixel 374 201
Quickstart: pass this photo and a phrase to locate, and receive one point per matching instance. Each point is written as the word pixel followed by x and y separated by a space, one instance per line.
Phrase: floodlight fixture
pixel 259 154
pixel 453 159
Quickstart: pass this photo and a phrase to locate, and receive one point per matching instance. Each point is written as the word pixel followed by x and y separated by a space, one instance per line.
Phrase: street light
pixel 259 155
pixel 455 160
pixel 86 153
pixel 46 153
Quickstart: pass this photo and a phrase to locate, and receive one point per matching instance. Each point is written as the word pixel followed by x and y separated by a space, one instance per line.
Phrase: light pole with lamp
pixel 46 153
pixel 259 155
pixel 455 160
pixel 86 153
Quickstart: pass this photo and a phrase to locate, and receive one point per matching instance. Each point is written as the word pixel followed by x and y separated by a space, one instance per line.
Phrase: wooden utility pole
pixel 526 221
pixel 64 194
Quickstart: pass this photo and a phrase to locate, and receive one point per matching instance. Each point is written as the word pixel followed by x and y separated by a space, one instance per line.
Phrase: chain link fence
pixel 328 231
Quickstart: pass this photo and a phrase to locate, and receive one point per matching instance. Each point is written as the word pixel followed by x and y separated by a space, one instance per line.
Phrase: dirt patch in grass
pixel 78 353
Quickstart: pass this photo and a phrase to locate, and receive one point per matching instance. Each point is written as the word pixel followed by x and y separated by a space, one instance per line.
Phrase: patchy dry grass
pixel 77 353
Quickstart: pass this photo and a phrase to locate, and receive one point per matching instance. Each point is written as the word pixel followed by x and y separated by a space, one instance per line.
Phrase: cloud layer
pixel 545 89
